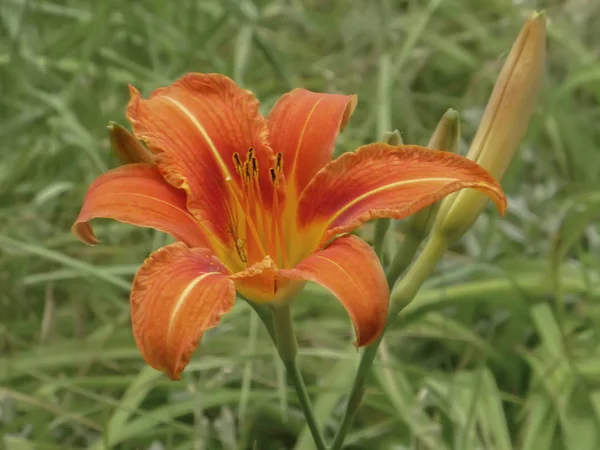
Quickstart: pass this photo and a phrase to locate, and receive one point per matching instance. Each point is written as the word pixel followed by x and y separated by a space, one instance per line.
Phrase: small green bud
pixel 446 137
pixel 127 148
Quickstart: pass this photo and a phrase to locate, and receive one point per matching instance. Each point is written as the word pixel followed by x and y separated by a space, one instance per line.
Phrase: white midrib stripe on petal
pixel 204 134
pixel 184 295
pixel 297 152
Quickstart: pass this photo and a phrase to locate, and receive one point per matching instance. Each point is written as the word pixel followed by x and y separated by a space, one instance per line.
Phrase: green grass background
pixel 501 350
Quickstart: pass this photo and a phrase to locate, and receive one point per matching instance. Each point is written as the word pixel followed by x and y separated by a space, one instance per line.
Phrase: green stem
pixel 356 393
pixel 400 297
pixel 404 256
pixel 415 277
pixel 381 228
pixel 296 377
pixel 263 314
pixel 285 337
pixel 287 347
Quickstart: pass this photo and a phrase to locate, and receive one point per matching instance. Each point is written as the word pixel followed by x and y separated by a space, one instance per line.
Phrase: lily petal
pixel 261 283
pixel 176 296
pixel 258 282
pixel 137 194
pixel 349 268
pixel 303 126
pixel 194 127
pixel 379 180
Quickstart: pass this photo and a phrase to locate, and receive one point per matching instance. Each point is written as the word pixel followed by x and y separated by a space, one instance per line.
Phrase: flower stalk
pixel 287 348
pixel 502 127
pixel 285 337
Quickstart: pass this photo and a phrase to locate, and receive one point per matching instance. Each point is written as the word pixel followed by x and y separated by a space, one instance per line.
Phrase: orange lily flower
pixel 257 206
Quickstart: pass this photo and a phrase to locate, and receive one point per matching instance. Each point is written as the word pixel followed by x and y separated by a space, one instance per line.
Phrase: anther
pixel 254 167
pixel 250 154
pixel 237 162
pixel 273 175
pixel 247 171
pixel 241 250
pixel 279 162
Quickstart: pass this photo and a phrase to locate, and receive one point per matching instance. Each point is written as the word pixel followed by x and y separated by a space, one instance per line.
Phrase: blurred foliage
pixel 501 348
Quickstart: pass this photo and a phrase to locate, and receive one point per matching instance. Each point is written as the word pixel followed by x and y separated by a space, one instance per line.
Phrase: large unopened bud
pixel 502 126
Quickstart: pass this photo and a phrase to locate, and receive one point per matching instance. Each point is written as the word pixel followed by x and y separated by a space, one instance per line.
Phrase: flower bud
pixel 392 138
pixel 127 148
pixel 446 137
pixel 503 124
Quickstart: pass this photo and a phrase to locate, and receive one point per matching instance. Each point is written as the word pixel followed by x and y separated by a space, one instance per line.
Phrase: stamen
pixel 254 167
pixel 250 154
pixel 273 175
pixel 232 227
pixel 237 163
pixel 260 216
pixel 250 201
pixel 284 252
pixel 279 163
pixel 277 229
pixel 246 173
pixel 250 226
pixel 241 250
pixel 249 197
